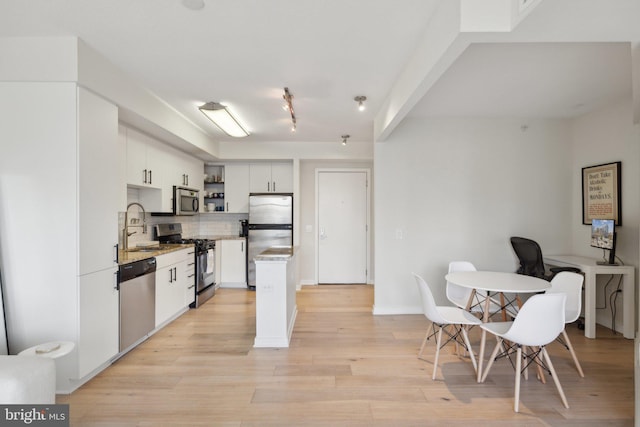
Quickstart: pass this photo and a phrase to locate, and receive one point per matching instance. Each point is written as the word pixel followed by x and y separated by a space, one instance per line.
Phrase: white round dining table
pixel 496 282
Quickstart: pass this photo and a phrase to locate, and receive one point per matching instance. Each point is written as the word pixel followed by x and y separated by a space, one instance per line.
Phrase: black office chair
pixel 531 264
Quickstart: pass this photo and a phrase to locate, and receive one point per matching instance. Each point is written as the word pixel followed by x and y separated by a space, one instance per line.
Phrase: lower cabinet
pixel 232 262
pixel 171 283
pixel 99 320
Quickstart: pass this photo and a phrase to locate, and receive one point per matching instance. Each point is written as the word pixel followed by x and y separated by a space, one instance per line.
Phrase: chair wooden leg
pixel 424 342
pixel 435 361
pixel 540 371
pixel 465 336
pixel 491 359
pixel 555 377
pixel 430 331
pixel 516 404
pixel 573 353
pixel 526 368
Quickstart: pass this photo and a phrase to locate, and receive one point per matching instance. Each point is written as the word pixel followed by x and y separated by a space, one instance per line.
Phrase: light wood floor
pixel 345 367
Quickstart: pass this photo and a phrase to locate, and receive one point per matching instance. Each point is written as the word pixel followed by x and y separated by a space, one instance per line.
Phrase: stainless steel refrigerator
pixel 270 224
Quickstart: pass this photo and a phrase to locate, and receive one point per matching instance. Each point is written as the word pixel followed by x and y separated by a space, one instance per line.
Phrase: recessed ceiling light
pixel 193 4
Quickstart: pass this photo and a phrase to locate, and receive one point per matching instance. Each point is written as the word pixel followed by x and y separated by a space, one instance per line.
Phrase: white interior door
pixel 342 227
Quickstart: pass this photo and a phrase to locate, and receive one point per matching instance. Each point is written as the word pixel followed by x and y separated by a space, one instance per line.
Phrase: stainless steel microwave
pixel 185 201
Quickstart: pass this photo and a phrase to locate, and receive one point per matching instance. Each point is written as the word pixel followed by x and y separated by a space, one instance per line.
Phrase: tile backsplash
pixel 204 224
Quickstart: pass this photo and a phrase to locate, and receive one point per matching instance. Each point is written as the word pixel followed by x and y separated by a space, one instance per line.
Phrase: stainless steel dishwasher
pixel 137 301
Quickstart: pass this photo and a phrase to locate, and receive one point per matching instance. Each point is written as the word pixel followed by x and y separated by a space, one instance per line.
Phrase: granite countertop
pixel 140 253
pixel 276 253
pixel 226 237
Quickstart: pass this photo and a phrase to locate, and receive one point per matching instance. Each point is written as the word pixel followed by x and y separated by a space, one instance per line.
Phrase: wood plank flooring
pixel 345 367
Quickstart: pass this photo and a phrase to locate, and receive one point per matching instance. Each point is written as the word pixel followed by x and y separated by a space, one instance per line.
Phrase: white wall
pixel 605 136
pixel 457 189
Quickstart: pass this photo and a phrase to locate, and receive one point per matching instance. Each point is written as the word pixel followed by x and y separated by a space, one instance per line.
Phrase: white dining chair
pixel 450 320
pixel 539 322
pixel 569 284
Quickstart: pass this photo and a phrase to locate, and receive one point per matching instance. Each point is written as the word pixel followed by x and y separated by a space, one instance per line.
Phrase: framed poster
pixel 601 195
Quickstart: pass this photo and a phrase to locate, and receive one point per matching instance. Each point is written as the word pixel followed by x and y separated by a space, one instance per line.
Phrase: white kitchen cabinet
pixel 236 187
pixel 99 195
pixel 232 266
pixel 155 168
pixel 144 161
pixel 67 204
pixel 99 320
pixel 122 168
pixel 171 284
pixel 183 170
pixel 273 177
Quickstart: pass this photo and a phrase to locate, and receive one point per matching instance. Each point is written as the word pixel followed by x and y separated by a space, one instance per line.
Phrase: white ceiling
pixel 530 80
pixel 244 52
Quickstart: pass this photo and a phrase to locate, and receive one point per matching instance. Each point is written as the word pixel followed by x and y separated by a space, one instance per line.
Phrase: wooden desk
pixel 496 283
pixel 591 269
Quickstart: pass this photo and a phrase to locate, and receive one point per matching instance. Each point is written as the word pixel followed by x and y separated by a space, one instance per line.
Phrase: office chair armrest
pixel 556 270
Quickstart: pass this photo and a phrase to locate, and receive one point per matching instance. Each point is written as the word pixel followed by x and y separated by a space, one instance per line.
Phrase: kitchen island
pixel 276 308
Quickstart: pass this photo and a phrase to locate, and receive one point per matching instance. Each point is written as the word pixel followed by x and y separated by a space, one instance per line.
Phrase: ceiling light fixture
pixel 344 139
pixel 193 4
pixel 222 117
pixel 288 99
pixel 360 100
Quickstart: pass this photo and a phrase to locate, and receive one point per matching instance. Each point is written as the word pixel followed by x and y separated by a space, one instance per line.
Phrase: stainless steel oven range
pixel 205 259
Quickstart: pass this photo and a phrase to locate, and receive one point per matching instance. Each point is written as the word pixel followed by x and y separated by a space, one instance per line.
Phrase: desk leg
pixel 628 306
pixel 590 304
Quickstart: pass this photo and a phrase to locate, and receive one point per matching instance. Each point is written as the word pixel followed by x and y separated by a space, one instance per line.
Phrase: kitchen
pixel 146 213
pixel 83 184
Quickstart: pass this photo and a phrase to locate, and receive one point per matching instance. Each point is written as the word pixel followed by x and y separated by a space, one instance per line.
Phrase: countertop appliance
pixel 205 260
pixel 137 283
pixel 244 228
pixel 270 224
pixel 186 201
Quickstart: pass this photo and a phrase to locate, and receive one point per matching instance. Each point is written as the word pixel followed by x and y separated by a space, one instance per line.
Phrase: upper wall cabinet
pixel 275 177
pixel 144 161
pixel 236 188
pixel 184 170
pixel 156 168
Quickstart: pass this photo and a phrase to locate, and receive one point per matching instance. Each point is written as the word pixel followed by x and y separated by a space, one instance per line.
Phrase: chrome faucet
pixel 125 231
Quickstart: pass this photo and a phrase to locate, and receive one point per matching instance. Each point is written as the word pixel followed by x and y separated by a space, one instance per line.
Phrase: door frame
pixel 367 172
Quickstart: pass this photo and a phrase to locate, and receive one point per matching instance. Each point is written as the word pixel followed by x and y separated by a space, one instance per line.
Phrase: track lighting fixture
pixel 288 99
pixel 360 100
pixel 344 139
